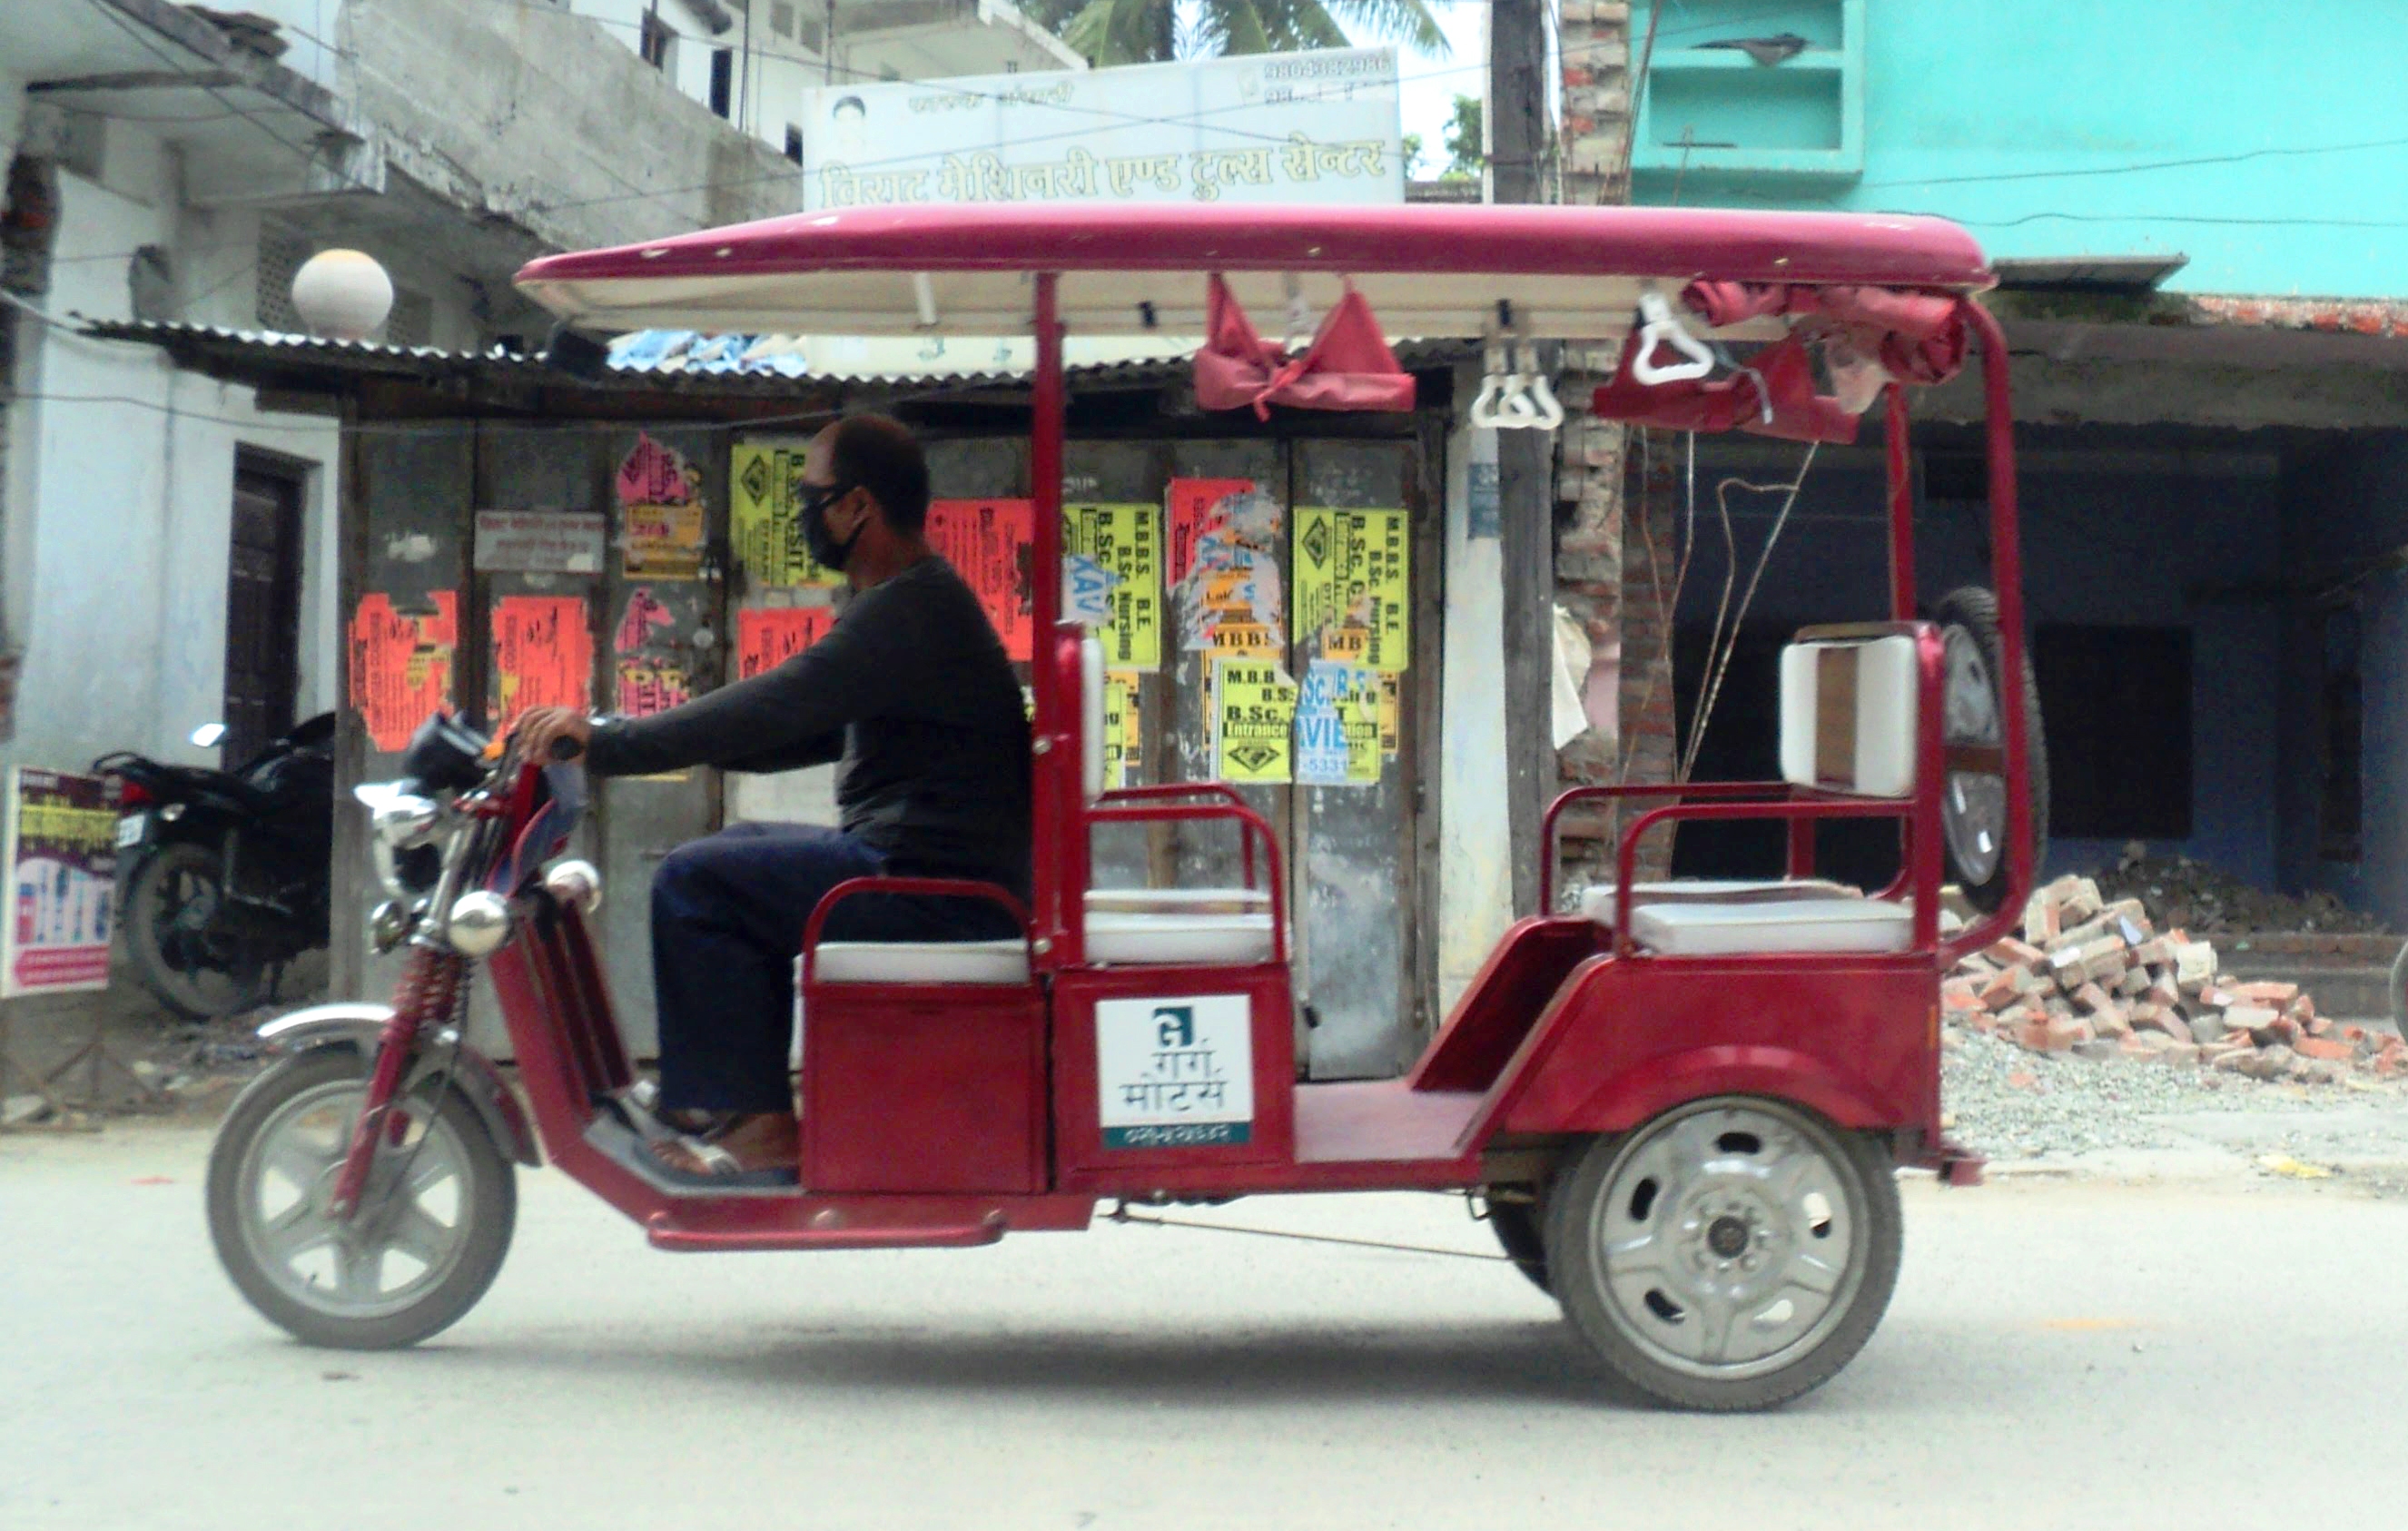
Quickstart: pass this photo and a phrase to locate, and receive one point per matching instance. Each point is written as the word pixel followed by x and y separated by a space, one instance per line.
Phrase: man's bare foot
pixel 747 1145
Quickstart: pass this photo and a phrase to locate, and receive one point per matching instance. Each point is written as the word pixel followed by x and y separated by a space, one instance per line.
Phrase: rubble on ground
pixel 2181 893
pixel 2096 978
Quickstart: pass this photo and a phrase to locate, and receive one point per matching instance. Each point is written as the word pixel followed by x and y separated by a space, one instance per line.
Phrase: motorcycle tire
pixel 170 946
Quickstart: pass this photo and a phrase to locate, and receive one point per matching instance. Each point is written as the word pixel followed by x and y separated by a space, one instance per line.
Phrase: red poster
pixel 1192 502
pixel 990 543
pixel 400 665
pixel 543 655
pixel 766 639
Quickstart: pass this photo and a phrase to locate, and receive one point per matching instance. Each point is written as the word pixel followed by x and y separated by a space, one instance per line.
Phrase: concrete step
pixel 2345 985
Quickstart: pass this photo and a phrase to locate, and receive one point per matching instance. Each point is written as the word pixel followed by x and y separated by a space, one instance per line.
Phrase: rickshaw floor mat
pixel 625 1147
pixel 1381 1122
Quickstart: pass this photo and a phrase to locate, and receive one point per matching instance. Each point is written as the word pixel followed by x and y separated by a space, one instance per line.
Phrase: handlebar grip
pixel 564 748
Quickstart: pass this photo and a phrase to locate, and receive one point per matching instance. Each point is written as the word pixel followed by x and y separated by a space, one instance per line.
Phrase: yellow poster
pixel 664 541
pixel 1247 641
pixel 1253 711
pixel 1123 733
pixel 1126 541
pixel 1352 575
pixel 764 513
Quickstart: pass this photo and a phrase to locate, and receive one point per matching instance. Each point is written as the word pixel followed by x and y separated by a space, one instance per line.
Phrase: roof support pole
pixel 1525 478
pixel 1058 874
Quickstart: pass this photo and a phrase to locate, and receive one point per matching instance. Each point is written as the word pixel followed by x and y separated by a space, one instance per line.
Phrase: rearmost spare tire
pixel 1973 743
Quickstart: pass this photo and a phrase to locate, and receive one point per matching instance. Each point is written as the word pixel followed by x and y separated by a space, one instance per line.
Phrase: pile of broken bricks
pixel 2097 980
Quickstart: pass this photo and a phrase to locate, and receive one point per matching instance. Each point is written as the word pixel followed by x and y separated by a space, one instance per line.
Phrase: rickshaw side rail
pixel 1772 790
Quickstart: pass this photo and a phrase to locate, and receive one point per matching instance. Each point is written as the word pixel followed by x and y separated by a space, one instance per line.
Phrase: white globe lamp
pixel 342 294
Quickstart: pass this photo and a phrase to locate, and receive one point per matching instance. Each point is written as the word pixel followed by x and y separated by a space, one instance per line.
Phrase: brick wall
pixel 1602 571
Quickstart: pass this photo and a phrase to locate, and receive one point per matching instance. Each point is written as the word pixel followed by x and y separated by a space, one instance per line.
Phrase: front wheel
pixel 433 1222
pixel 1732 1254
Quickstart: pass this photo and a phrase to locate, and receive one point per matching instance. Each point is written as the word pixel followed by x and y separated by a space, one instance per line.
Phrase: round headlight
pixel 480 924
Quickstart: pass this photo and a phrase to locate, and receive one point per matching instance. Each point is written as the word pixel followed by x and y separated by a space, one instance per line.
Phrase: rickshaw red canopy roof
pixel 1429 271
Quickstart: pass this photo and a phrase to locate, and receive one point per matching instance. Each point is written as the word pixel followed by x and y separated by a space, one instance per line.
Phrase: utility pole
pixel 1516 118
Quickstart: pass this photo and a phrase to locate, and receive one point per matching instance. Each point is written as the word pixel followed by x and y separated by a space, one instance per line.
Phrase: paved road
pixel 2205 1355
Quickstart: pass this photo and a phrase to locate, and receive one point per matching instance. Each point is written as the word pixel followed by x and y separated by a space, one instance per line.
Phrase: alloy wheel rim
pixel 1732 1241
pixel 1973 804
pixel 415 1216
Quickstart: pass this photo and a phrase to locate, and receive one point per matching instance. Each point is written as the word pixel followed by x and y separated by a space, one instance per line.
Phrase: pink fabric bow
pixel 1348 365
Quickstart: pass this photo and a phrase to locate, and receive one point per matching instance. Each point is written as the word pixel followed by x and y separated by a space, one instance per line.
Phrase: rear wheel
pixel 1732 1254
pixel 176 938
pixel 435 1219
pixel 1974 801
pixel 1518 1226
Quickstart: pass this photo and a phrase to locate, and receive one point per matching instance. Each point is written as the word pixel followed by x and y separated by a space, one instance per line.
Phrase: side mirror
pixel 207 735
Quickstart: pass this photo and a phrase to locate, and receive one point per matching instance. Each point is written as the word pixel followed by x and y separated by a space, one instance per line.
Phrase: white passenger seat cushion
pixel 1178 901
pixel 1848 713
pixel 1809 924
pixel 1179 937
pixel 1596 900
pixel 922 962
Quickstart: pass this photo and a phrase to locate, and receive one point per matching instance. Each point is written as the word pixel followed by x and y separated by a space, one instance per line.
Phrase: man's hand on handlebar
pixel 554 732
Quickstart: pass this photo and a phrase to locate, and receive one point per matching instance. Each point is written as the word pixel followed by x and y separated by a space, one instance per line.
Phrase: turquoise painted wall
pixel 2046 127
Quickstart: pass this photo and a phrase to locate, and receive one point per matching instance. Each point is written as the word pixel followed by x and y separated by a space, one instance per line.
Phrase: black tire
pixel 170 955
pixel 1518 1228
pixel 1973 612
pixel 1580 1224
pixel 487 1203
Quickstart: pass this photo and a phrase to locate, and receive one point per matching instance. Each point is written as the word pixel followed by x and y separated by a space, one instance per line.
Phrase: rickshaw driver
pixel 913 692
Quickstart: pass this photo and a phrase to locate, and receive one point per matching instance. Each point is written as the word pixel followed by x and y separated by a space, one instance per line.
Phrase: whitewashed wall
pixel 1475 878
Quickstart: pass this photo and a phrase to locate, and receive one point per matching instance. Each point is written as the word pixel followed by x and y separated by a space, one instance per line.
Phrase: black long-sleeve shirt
pixel 913 692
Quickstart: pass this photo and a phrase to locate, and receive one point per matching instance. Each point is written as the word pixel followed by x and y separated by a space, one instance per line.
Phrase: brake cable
pixel 1121 1213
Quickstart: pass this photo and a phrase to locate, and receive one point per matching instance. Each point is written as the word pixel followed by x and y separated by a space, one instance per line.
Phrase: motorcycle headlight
pixel 403 823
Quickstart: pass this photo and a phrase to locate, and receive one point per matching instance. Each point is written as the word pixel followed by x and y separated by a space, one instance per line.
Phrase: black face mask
pixel 826 550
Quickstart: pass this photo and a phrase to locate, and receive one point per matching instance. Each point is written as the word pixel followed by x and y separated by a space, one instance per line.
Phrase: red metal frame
pixel 1884 248
pixel 1569 1029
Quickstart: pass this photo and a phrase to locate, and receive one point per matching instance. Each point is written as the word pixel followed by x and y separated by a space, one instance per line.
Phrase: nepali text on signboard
pixel 1315 127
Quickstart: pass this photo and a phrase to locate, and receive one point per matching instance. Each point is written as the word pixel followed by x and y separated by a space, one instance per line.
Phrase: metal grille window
pixel 280 254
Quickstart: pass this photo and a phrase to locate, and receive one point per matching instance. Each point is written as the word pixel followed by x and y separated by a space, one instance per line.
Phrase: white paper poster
pixel 61 851
pixel 1175 1073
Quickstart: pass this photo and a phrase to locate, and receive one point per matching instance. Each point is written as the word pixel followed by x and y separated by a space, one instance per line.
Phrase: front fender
pixel 359 1025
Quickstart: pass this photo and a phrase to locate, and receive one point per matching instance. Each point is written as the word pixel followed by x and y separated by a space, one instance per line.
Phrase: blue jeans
pixel 728 913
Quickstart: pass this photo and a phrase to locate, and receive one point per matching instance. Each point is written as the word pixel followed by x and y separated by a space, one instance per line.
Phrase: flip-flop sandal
pixel 720 1168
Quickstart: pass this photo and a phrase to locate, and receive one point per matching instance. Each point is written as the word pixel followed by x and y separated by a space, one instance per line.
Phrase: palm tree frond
pixel 1408 21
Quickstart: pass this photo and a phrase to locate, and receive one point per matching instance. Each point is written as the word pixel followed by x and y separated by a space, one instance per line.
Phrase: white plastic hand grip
pixel 1658 326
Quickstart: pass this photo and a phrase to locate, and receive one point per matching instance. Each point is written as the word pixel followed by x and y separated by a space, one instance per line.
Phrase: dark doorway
pixel 2116 703
pixel 263 605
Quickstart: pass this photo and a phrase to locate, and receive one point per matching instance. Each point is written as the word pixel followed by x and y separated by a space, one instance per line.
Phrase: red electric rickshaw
pixel 1683 1104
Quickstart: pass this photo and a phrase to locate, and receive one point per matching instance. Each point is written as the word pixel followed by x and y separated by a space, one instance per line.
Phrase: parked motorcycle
pixel 222 876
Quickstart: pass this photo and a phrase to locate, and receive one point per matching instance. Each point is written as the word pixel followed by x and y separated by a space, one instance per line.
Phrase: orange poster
pixel 768 638
pixel 543 655
pixel 989 542
pixel 1192 502
pixel 400 665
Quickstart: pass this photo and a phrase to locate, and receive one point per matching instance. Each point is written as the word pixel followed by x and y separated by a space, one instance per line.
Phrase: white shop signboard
pixel 1316 127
